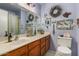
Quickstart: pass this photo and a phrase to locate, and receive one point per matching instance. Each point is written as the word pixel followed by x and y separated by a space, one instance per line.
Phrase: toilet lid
pixel 64 50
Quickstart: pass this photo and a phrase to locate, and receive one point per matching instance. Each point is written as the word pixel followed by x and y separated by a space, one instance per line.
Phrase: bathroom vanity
pixel 36 44
pixel 27 46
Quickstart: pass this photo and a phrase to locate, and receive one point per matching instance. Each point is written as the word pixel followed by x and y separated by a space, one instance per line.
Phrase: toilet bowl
pixel 64 51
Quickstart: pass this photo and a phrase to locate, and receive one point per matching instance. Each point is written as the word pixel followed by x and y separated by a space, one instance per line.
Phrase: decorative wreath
pixel 31 17
pixel 55 11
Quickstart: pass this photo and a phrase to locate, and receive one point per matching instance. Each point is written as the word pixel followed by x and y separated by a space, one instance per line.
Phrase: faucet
pixel 9 37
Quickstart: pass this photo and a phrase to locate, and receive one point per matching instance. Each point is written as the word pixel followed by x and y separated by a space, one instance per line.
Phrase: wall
pixel 66 8
pixel 76 30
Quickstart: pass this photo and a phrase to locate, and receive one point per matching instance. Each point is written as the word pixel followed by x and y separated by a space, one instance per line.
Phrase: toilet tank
pixel 64 42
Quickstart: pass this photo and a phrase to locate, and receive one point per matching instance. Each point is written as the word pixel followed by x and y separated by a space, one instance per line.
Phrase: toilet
pixel 62 50
pixel 64 44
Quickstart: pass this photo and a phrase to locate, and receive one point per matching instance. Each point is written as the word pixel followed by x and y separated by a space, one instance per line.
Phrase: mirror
pixel 3 22
pixel 13 23
pixel 30 24
pixel 9 23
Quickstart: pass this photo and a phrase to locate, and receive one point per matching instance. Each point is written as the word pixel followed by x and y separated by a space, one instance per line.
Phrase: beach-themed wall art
pixel 66 14
pixel 55 11
pixel 31 17
pixel 65 24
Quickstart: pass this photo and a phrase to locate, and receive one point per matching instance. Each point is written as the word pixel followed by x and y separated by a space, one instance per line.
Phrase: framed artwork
pixel 48 22
pixel 55 11
pixel 65 24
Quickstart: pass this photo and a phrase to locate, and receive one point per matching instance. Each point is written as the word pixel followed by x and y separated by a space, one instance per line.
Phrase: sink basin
pixel 13 44
pixel 18 41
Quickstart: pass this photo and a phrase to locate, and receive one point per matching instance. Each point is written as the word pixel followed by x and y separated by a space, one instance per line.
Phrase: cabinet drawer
pixel 33 44
pixel 35 51
pixel 43 51
pixel 43 44
pixel 17 52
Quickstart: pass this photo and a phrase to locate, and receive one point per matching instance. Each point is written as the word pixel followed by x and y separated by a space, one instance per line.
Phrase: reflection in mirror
pixel 13 23
pixel 29 26
pixel 3 22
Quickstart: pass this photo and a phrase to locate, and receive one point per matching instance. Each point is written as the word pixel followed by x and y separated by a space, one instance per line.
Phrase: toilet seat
pixel 64 50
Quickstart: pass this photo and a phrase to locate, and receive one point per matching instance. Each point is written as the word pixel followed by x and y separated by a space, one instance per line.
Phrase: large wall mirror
pixel 9 23
pixel 31 22
pixel 13 23
pixel 3 22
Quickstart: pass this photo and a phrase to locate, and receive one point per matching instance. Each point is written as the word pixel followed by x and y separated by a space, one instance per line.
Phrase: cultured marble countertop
pixel 22 40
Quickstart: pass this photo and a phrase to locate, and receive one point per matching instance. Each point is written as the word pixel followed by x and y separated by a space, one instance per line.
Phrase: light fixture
pixel 31 4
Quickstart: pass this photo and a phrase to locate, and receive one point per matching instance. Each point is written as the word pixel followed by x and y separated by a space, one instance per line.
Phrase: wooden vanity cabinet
pixel 35 51
pixel 26 51
pixel 18 52
pixel 34 48
pixel 43 51
pixel 43 43
pixel 47 43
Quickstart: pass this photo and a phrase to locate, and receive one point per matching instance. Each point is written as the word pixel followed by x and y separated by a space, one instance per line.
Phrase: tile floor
pixel 55 53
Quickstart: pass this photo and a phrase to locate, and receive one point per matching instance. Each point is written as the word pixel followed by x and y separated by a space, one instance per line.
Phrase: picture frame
pixel 48 21
pixel 65 24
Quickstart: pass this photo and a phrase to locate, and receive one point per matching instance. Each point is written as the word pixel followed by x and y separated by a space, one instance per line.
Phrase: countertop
pixel 22 40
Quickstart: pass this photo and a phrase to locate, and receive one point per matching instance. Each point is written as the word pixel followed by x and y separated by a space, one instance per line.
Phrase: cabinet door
pixel 27 50
pixel 43 51
pixel 33 44
pixel 18 52
pixel 42 42
pixel 35 51
pixel 47 44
